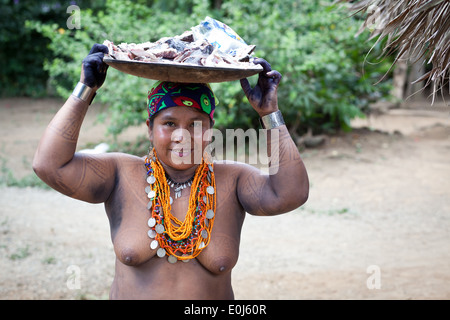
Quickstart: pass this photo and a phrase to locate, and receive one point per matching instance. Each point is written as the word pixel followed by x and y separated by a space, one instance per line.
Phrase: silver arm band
pixel 272 120
pixel 83 92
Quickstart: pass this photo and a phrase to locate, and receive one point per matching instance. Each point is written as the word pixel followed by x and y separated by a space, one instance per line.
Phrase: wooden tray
pixel 177 72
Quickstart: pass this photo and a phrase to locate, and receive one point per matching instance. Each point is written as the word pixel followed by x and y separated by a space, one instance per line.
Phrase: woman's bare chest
pixel 134 243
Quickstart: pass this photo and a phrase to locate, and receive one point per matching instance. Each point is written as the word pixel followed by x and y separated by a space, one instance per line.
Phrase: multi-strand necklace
pixel 178 186
pixel 180 240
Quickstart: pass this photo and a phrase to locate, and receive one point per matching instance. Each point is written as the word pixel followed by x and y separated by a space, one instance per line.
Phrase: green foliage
pixel 24 50
pixel 120 21
pixel 325 81
pixel 8 179
pixel 21 253
pixel 21 72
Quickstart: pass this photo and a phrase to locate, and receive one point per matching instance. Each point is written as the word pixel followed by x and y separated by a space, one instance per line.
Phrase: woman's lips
pixel 182 152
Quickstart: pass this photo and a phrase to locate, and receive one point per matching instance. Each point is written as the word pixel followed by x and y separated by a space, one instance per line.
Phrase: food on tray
pixel 211 44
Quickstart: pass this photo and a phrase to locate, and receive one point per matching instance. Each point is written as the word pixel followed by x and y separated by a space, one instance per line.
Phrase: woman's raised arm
pixel 85 177
pixel 286 187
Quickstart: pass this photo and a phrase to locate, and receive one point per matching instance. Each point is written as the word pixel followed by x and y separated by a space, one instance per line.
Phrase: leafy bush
pixel 24 50
pixel 325 82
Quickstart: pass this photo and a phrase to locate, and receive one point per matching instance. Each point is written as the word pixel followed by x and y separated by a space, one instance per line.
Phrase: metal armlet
pixel 83 92
pixel 272 120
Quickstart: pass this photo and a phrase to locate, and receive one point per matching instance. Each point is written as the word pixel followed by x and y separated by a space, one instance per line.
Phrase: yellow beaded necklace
pixel 180 240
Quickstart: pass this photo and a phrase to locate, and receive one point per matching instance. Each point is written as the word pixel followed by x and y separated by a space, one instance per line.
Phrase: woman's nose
pixel 180 135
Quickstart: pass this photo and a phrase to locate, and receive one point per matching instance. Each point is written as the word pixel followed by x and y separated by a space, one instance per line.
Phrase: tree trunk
pixel 217 4
pixel 399 79
pixel 414 90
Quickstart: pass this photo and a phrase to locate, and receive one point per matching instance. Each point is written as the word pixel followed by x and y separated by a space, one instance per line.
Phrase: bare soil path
pixel 376 225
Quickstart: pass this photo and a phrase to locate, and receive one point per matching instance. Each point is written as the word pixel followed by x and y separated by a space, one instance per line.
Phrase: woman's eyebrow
pixel 170 117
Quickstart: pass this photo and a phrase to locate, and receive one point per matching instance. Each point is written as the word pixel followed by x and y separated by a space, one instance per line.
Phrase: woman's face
pixel 178 136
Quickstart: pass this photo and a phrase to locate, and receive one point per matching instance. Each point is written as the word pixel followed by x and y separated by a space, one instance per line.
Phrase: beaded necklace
pixel 180 240
pixel 178 186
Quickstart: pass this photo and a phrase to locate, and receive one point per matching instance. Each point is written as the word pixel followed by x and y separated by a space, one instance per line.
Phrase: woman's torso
pixel 140 273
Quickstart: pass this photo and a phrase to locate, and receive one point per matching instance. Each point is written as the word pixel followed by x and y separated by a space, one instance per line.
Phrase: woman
pixel 170 206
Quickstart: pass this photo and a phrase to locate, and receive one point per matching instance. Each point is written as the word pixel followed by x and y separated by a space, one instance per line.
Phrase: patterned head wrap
pixel 172 94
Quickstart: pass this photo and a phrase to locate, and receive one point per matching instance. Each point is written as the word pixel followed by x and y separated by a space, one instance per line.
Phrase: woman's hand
pixel 93 71
pixel 263 97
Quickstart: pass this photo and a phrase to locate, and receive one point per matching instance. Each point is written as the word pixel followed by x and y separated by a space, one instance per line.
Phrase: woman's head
pixel 179 117
pixel 172 94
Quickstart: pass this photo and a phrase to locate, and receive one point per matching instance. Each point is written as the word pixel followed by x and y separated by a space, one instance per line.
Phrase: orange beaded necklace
pixel 180 240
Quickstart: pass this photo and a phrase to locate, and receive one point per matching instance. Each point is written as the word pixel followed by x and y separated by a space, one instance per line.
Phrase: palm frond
pixel 415 29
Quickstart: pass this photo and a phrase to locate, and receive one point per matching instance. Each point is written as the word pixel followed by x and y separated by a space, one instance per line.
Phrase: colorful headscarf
pixel 171 94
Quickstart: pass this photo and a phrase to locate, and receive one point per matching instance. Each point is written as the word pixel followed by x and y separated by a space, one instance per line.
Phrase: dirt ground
pixel 376 225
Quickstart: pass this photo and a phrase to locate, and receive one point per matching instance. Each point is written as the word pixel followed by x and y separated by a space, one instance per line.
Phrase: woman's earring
pixel 151 151
pixel 207 154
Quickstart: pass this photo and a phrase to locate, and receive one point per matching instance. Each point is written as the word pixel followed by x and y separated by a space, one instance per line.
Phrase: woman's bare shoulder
pixel 119 157
pixel 234 168
pixel 116 161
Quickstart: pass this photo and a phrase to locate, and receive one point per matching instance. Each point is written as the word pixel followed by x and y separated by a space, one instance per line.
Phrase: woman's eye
pixel 170 123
